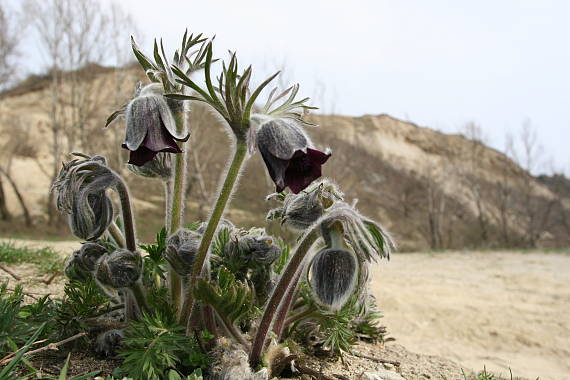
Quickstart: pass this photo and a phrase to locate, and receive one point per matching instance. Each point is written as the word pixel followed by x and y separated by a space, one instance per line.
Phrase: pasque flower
pixel 151 125
pixel 289 155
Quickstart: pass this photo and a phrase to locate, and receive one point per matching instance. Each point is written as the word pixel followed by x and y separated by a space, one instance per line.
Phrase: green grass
pixel 46 259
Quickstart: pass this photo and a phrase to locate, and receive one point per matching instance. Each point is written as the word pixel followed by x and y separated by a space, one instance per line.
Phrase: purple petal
pixel 304 168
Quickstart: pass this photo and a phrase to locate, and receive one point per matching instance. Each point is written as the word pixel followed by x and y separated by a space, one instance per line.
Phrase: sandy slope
pixel 495 309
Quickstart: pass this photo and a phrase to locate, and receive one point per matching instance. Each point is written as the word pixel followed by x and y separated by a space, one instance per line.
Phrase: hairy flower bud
pixel 74 268
pixel 151 125
pixel 159 167
pixel 253 249
pixel 81 192
pixel 120 269
pixel 289 155
pixel 90 253
pixel 332 276
pixel 181 249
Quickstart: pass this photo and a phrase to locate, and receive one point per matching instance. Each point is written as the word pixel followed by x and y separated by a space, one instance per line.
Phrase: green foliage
pixel 155 345
pixel 233 300
pixel 337 331
pixel 10 326
pixel 82 300
pixel 7 372
pixel 155 262
pixel 219 243
pixel 280 263
pixel 46 259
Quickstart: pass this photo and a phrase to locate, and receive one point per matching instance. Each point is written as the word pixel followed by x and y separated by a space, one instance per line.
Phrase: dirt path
pixel 496 309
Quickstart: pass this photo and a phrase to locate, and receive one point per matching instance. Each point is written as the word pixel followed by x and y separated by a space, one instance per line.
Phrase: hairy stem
pixel 117 235
pixel 128 221
pixel 232 330
pixel 285 306
pixel 284 284
pixel 219 207
pixel 175 198
pixel 140 295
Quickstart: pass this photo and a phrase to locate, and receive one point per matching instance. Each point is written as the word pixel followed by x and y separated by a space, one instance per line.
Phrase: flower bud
pixel 159 167
pixel 90 219
pixel 289 155
pixel 89 253
pixel 81 192
pixel 332 277
pixel 151 126
pixel 181 249
pixel 120 269
pixel 75 270
pixel 253 249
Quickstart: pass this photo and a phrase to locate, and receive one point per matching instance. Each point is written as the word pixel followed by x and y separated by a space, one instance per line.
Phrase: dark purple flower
pixel 151 127
pixel 288 154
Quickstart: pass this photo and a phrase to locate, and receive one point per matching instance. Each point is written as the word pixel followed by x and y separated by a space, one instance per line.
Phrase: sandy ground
pixel 497 310
pixel 500 310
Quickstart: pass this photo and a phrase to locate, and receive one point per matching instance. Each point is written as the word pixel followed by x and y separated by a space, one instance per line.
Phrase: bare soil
pixel 496 309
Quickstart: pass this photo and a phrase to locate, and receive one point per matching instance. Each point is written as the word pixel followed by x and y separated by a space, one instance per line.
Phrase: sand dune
pixel 495 309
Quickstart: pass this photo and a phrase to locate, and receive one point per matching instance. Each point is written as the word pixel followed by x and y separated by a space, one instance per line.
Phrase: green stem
pixel 176 201
pixel 219 207
pixel 278 294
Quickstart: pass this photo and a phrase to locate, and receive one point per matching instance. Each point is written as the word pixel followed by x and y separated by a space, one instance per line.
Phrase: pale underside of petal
pixel 141 115
pixel 282 138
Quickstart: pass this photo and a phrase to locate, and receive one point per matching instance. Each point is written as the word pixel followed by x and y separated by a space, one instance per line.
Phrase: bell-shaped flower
pixel 289 155
pixel 333 276
pixel 151 125
pixel 81 192
pixel 120 269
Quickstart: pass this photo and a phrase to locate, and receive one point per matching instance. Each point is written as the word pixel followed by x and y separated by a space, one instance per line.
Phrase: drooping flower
pixel 289 155
pixel 151 125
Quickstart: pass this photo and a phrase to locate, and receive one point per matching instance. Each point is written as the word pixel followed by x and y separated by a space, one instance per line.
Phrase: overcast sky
pixel 437 63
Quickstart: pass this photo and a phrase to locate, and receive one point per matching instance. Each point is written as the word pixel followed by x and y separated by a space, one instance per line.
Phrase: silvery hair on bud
pixel 181 250
pixel 333 276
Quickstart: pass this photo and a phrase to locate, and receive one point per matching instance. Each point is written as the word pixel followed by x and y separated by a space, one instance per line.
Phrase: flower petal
pixel 282 138
pixel 304 168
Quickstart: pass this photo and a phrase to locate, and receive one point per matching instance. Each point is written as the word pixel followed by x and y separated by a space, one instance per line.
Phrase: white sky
pixel 438 63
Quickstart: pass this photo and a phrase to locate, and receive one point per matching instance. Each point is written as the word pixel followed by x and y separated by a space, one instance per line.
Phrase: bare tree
pixel 9 38
pixel 75 35
pixel 535 209
pixel 471 173
pixel 16 146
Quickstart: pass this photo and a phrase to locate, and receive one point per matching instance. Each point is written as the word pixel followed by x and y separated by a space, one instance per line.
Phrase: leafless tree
pixel 536 209
pixel 9 38
pixel 75 36
pixel 16 145
pixel 471 173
